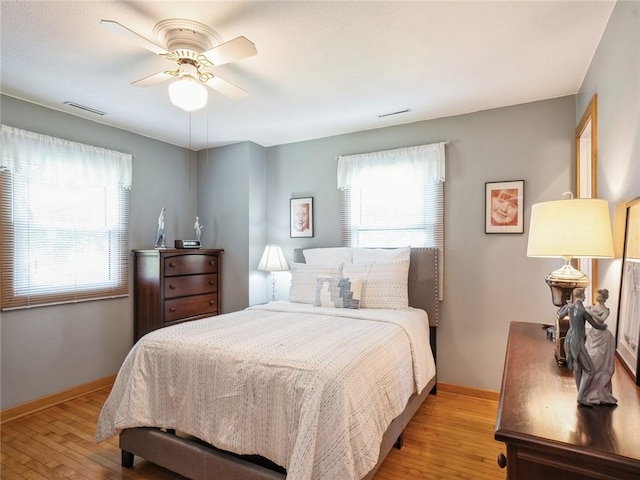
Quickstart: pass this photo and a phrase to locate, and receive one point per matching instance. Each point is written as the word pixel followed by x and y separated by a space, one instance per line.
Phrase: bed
pixel 268 401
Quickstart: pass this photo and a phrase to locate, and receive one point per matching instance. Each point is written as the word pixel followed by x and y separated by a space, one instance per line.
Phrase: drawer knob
pixel 172 264
pixel 502 460
pixel 211 282
pixel 211 262
pixel 172 286
pixel 172 309
pixel 211 302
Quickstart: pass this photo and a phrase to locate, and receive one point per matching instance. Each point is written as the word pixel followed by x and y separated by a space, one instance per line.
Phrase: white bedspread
pixel 313 389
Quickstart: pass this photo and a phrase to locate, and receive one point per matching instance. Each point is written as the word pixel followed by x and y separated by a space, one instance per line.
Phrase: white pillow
pixel 384 284
pixel 338 292
pixel 327 256
pixel 360 255
pixel 303 280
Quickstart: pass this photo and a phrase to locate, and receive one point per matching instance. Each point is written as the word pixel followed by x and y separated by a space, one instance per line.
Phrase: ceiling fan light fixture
pixel 187 94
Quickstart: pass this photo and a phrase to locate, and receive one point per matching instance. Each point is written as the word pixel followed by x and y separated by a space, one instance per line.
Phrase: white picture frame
pixel 504 207
pixel 301 217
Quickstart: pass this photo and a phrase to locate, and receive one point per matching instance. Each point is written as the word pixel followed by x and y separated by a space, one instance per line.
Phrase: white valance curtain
pixel 39 156
pixel 425 161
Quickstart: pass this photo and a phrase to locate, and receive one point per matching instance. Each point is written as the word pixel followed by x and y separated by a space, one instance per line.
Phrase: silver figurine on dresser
pixel 591 356
pixel 161 235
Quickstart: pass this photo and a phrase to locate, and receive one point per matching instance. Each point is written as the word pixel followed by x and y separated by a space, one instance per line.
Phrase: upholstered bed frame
pixel 197 460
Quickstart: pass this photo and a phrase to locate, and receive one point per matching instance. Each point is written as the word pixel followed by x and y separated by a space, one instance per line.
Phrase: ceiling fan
pixel 196 49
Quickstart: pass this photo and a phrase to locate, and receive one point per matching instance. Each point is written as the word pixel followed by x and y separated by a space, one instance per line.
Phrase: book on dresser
pixel 175 285
pixel 547 434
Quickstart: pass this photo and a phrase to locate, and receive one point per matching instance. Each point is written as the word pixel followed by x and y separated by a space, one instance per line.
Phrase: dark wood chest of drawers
pixel 547 435
pixel 173 286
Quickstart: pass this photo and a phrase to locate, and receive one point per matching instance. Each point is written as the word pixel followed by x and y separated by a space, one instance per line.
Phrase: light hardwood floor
pixel 451 437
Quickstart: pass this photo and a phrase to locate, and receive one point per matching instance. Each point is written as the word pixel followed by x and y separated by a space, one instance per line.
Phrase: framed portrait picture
pixel 301 217
pixel 628 331
pixel 504 207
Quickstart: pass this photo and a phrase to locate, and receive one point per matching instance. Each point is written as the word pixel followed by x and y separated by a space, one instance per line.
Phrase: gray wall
pixel 231 206
pixel 489 281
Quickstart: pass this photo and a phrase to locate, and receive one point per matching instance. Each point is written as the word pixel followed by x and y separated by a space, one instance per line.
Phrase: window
pixel 64 221
pixel 394 198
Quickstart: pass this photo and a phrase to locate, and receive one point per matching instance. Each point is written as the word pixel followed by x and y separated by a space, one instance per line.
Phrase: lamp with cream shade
pixel 273 261
pixel 569 228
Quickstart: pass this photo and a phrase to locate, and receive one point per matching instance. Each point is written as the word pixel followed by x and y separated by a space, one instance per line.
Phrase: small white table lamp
pixel 273 261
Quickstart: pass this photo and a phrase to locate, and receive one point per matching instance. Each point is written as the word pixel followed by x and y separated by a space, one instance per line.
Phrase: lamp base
pixel 560 329
pixel 273 287
pixel 562 282
pixel 568 274
pixel 561 291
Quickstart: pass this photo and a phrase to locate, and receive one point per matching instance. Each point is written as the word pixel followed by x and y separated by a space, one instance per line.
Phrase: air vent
pixel 86 109
pixel 394 113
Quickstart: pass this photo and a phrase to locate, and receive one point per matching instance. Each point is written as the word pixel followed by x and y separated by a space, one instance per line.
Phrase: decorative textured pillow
pixel 327 256
pixel 338 293
pixel 362 255
pixel 384 284
pixel 303 280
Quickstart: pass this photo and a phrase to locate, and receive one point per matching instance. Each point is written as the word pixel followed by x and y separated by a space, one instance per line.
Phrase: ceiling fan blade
pixel 227 89
pixel 155 78
pixel 123 31
pixel 230 51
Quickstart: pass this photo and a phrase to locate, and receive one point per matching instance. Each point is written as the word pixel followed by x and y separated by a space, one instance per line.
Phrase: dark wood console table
pixel 547 435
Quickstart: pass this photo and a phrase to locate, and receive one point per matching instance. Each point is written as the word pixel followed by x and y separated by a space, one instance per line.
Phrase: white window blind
pixel 394 198
pixel 64 221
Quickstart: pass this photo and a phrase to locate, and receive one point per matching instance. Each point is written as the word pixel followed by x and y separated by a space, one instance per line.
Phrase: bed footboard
pixel 189 458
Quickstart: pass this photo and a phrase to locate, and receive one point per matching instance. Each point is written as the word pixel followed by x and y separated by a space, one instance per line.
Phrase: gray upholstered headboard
pixel 423 280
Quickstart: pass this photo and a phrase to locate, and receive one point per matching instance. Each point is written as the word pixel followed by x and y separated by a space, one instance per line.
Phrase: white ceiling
pixel 322 68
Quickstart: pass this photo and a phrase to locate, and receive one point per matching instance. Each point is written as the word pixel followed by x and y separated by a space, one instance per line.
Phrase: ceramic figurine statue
pixel 578 358
pixel 198 228
pixel 601 347
pixel 161 237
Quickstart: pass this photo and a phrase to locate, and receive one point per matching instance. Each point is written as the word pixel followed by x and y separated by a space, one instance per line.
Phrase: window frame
pixel 14 298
